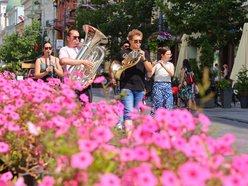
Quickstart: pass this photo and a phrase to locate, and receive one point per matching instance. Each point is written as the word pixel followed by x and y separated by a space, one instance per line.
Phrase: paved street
pixel 229 120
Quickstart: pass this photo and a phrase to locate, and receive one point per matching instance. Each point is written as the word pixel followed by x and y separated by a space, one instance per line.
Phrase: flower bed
pixel 46 133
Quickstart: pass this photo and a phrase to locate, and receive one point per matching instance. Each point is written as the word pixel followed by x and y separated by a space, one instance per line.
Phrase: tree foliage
pixel 19 47
pixel 219 21
pixel 117 19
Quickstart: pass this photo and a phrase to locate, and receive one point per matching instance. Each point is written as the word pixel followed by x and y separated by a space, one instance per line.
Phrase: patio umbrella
pixel 183 54
pixel 241 58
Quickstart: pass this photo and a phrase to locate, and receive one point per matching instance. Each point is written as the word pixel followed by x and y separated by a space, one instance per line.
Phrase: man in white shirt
pixel 68 54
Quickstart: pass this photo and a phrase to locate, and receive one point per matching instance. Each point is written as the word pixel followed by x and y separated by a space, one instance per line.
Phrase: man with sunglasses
pixel 132 80
pixel 68 54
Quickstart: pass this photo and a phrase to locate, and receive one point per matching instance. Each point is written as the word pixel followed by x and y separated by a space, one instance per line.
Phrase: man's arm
pixel 65 59
pixel 111 72
pixel 145 58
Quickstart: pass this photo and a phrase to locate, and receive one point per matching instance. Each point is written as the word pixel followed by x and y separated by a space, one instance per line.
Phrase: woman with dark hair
pixel 47 66
pixel 186 85
pixel 163 71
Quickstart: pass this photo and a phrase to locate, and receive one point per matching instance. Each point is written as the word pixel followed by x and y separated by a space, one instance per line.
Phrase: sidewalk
pixel 235 113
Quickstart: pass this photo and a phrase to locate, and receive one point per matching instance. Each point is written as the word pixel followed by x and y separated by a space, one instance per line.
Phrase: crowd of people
pixel 132 81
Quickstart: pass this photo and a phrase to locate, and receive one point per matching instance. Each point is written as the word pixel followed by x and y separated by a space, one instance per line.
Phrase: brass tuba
pixel 129 60
pixel 91 51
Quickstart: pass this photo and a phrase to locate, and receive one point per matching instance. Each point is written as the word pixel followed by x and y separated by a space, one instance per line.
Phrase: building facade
pixel 3 6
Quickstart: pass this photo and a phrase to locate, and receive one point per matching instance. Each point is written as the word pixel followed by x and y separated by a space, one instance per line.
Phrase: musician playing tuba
pixel 132 78
pixel 68 54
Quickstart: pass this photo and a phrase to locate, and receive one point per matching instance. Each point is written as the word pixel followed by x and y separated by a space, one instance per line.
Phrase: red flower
pixel 36 47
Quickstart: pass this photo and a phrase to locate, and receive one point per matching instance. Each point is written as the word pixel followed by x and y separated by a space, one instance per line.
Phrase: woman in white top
pixel 163 70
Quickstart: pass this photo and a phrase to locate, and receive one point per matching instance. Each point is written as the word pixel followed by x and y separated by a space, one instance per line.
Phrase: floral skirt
pixel 186 93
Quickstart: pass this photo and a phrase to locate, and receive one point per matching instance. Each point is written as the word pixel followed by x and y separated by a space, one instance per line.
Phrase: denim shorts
pixel 131 101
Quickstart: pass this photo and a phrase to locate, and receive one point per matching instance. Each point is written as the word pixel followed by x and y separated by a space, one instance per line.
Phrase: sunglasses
pixel 126 46
pixel 137 41
pixel 75 37
pixel 48 48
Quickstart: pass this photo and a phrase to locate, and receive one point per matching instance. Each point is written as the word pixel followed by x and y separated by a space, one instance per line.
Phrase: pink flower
pixel 187 119
pixel 155 158
pixel 147 178
pixel 144 107
pixel 126 155
pixel 193 174
pixel 4 148
pixel 8 109
pixel 216 161
pixel 100 79
pixel 169 178
pixel 81 160
pixel 82 177
pixel 6 176
pixel 3 183
pixel 142 135
pixel 223 144
pixel 102 134
pixel 87 145
pixel 14 116
pixel 240 163
pixel 3 119
pixel 62 162
pixel 162 139
pixel 84 98
pixel 71 183
pixel 204 120
pixel 19 103
pixel 234 180
pixel 47 181
pixel 12 126
pixel 141 153
pixel 178 143
pixel 20 182
pixel 110 180
pixel 196 148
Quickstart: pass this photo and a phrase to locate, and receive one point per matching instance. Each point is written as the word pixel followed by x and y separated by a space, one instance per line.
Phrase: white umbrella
pixel 241 58
pixel 183 54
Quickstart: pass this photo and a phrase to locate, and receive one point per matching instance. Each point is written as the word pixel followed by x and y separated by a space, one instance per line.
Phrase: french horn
pixel 129 60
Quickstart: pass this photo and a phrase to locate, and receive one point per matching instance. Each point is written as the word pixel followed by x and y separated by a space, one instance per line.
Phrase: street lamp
pixel 160 22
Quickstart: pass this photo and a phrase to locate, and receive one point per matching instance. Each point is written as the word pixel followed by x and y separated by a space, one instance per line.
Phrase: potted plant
pixel 225 87
pixel 242 86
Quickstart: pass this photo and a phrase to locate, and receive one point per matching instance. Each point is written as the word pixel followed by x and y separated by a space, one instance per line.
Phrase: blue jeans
pixel 131 101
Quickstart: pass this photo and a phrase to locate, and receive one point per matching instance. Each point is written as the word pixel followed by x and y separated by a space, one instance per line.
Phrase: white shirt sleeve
pixel 63 53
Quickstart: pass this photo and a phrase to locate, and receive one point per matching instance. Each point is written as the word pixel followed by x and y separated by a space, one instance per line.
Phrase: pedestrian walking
pixel 163 72
pixel 187 86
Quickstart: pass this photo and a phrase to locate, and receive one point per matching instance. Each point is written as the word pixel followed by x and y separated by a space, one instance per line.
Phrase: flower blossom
pixel 110 180
pixel 4 148
pixel 81 160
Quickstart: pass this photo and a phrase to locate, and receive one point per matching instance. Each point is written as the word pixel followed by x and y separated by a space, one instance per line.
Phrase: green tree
pixel 20 47
pixel 117 19
pixel 217 20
